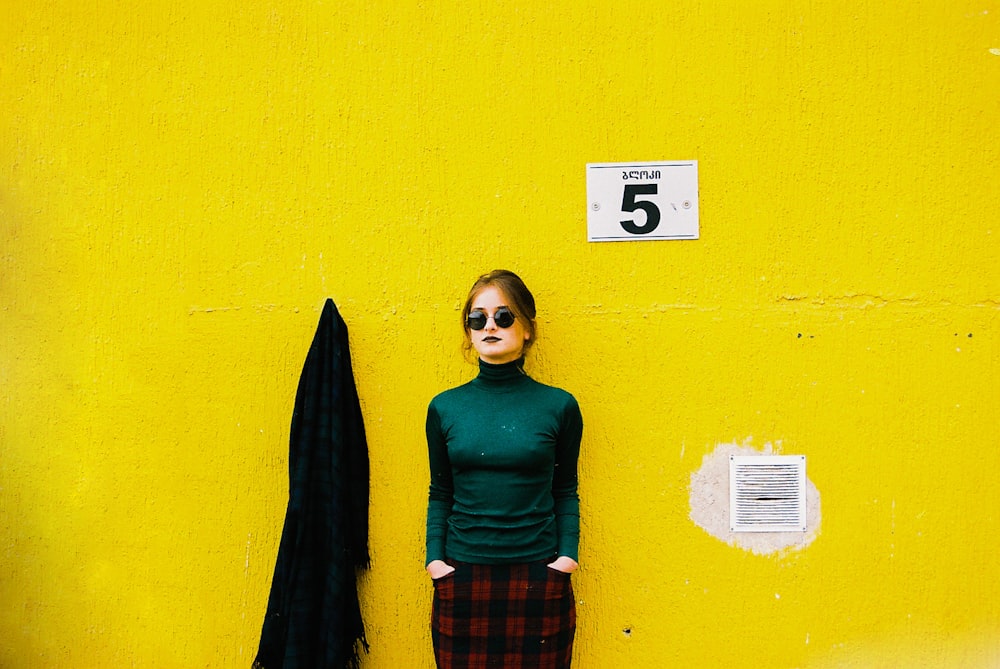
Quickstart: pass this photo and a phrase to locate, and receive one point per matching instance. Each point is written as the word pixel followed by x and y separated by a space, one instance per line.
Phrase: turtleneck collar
pixel 501 375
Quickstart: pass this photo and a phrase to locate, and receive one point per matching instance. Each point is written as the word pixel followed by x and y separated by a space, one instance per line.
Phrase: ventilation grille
pixel 767 493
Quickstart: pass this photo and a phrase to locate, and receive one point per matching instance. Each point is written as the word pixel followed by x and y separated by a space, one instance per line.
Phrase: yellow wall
pixel 182 185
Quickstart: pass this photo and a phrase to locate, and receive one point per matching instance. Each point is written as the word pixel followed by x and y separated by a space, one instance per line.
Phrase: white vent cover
pixel 767 493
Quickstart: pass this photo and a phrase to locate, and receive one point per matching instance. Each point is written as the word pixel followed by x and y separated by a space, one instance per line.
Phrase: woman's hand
pixel 565 564
pixel 438 569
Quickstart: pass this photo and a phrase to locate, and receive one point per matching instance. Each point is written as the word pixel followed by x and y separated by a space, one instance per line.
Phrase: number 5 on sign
pixel 642 201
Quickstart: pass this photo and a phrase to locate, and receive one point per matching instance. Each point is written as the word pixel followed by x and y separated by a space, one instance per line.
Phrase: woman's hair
pixel 520 300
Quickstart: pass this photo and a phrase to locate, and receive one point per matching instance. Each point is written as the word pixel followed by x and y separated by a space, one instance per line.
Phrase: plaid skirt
pixel 518 616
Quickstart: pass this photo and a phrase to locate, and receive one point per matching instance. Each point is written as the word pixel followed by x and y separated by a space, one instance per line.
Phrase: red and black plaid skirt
pixel 519 616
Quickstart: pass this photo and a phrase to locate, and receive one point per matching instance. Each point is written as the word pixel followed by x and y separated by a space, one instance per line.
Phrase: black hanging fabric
pixel 313 618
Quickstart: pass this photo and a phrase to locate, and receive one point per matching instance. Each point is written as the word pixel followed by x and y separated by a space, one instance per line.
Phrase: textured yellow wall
pixel 182 185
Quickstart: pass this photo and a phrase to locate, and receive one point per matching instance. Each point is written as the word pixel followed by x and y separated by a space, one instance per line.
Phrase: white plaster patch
pixel 709 498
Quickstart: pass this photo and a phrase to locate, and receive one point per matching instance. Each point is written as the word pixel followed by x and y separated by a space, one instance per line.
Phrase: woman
pixel 503 515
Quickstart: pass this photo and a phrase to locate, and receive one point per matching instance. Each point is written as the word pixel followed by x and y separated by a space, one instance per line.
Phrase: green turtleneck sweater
pixel 503 450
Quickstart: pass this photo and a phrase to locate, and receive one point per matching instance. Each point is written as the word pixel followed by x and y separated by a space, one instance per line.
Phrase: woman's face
pixel 494 344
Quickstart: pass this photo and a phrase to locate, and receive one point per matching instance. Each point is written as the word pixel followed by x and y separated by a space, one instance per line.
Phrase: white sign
pixel 642 201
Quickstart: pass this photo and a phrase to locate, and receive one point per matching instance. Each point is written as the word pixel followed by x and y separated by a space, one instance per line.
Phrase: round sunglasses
pixel 503 317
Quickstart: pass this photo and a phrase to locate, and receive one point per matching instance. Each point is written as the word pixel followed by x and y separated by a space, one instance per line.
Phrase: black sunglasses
pixel 503 317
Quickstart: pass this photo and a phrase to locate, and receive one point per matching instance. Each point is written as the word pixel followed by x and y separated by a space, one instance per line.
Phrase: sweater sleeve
pixel 440 496
pixel 564 480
